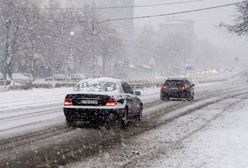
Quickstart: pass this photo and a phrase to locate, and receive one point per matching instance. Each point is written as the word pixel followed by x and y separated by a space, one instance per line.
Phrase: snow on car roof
pixel 99 85
pixel 102 79
pixel 179 79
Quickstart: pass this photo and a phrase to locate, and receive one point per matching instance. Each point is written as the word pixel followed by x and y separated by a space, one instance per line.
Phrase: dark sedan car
pixel 98 100
pixel 179 88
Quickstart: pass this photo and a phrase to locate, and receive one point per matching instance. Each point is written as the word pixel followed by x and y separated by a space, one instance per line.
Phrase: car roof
pixel 177 79
pixel 102 79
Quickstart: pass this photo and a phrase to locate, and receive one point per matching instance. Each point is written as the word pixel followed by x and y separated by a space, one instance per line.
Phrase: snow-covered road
pixel 213 136
pixel 35 133
pixel 26 111
pixel 32 110
pixel 221 144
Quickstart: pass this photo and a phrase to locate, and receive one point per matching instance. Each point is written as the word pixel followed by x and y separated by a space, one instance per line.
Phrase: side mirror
pixel 137 93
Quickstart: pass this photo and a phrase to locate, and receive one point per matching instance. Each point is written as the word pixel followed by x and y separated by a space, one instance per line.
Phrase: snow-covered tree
pixel 16 25
pixel 59 40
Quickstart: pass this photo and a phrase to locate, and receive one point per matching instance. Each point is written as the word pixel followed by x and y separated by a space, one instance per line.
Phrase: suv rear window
pixel 175 83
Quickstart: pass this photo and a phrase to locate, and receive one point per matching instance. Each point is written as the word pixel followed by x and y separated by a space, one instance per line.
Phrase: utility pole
pixel 94 33
pixel 4 67
pixel 6 53
pixel 5 76
pixel 72 56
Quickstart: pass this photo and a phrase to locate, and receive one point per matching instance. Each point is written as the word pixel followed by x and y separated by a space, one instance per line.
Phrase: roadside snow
pixel 207 137
pixel 149 94
pixel 17 99
pixel 1 89
pixel 30 110
pixel 26 99
pixel 223 144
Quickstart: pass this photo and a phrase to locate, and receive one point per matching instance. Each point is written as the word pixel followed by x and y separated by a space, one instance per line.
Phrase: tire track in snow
pixel 86 151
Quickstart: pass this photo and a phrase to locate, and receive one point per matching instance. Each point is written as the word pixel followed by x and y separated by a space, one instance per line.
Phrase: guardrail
pixel 145 83
pixel 136 84
pixel 16 84
pixel 22 84
pixel 7 82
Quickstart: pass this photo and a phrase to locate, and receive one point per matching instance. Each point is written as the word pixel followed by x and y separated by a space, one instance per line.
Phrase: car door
pixel 130 98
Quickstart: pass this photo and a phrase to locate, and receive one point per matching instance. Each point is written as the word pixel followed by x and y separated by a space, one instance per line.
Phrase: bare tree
pixel 241 22
pixel 16 25
pixel 61 41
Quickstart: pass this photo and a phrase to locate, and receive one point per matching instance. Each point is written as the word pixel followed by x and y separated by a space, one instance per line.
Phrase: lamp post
pixel 3 52
pixel 72 33
pixel 94 34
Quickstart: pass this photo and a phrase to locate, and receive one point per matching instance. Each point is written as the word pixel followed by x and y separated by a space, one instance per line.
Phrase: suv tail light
pixel 164 87
pixel 68 102
pixel 111 102
pixel 183 87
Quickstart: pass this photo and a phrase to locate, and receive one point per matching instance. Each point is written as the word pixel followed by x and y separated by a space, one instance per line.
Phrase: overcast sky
pixel 206 22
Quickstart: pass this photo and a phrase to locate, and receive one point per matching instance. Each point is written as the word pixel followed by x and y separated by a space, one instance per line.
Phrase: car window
pixel 187 83
pixel 175 83
pixel 126 88
pixel 97 86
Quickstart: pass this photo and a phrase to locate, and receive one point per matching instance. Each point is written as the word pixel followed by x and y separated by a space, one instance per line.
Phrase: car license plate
pixel 92 102
pixel 174 88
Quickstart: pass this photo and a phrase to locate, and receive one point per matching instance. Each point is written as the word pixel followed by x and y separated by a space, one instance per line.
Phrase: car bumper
pixel 92 114
pixel 174 94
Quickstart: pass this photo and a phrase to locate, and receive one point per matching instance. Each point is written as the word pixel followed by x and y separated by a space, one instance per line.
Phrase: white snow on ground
pixel 31 98
pixel 17 99
pixel 223 144
pixel 150 94
pixel 39 97
pixel 209 137
pixel 30 110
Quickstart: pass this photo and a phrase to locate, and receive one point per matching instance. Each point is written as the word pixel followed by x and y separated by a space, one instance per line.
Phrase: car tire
pixel 70 122
pixel 139 116
pixel 124 119
pixel 162 98
pixel 109 123
pixel 190 98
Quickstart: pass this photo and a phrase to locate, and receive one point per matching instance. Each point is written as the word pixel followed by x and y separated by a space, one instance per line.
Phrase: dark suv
pixel 178 88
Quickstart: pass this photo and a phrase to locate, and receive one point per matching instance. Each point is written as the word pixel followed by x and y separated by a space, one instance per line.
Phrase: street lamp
pixel 94 33
pixel 72 33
